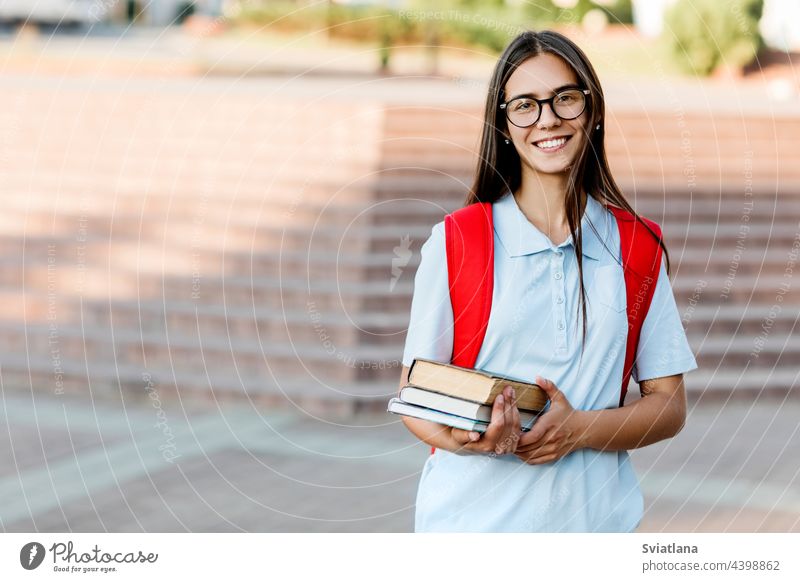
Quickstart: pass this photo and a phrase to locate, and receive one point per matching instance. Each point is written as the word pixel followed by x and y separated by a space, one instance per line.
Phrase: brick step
pixel 269 292
pixel 742 352
pixel 723 239
pixel 156 257
pixel 717 384
pixel 150 258
pixel 184 182
pixel 158 244
pixel 729 261
pixel 287 291
pixel 311 325
pixel 220 164
pixel 208 386
pixel 722 211
pixel 188 237
pixel 185 353
pixel 298 257
pixel 306 326
pixel 269 205
pixel 108 381
pixel 71 187
pixel 229 144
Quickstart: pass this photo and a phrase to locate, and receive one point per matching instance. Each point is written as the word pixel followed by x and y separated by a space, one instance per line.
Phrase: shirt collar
pixel 520 237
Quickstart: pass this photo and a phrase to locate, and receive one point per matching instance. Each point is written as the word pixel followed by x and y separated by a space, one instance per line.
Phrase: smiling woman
pixel 559 222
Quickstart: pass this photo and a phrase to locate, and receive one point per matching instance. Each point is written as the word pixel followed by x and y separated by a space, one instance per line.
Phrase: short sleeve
pixel 430 328
pixel 663 348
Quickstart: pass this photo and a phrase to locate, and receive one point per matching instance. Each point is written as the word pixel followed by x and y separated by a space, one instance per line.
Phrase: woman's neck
pixel 542 201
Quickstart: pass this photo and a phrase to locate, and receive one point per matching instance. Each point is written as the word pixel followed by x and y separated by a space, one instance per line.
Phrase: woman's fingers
pixel 515 426
pixel 498 420
pixel 502 433
pixel 499 446
pixel 464 437
pixel 506 442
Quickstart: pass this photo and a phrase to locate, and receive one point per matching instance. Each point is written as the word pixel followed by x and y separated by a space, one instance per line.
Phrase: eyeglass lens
pixel 566 105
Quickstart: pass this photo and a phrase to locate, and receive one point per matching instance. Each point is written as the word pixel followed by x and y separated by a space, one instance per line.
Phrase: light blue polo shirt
pixel 534 328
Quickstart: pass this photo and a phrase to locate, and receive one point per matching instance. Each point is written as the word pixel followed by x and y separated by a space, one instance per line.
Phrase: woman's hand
pixel 503 432
pixel 556 433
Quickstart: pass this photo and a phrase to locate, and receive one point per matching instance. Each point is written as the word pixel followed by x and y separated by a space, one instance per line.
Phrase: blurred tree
pixel 183 11
pixel 702 35
pixel 133 10
pixel 544 12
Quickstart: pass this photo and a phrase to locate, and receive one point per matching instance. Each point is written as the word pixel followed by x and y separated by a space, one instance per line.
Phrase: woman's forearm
pixel 652 419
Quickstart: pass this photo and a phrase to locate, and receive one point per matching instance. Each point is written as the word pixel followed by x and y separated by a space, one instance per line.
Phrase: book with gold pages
pixel 473 385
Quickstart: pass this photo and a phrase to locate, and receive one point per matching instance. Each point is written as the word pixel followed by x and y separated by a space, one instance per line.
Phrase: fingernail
pixel 513 393
pixel 474 436
pixel 500 398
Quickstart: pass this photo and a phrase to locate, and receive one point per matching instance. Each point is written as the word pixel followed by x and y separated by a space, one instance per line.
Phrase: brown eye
pixel 522 105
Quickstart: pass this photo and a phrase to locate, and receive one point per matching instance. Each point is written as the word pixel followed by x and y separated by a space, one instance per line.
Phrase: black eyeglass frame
pixel 541 103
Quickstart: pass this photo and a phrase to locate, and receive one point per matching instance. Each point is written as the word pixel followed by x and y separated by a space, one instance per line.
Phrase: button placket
pixel 559 305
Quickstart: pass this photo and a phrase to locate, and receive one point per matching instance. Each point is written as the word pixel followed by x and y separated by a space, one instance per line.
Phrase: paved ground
pixel 74 465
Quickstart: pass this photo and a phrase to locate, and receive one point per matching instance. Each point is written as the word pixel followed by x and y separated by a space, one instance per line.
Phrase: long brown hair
pixel 499 167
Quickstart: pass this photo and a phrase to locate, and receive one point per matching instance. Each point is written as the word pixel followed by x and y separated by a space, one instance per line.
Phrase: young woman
pixel 558 312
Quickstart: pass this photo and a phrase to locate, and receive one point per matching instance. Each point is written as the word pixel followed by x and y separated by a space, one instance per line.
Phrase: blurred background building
pixel 64 12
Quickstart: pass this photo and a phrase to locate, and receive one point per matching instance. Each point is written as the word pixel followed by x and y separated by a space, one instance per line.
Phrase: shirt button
pixel 559 253
pixel 561 325
pixel 559 299
pixel 557 275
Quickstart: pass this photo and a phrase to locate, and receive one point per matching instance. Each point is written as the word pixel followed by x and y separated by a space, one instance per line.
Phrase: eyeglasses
pixel 525 111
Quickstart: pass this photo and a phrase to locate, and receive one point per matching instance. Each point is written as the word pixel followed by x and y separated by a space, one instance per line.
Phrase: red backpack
pixel 469 237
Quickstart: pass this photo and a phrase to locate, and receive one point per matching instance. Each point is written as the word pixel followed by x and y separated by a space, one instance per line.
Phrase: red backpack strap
pixel 641 263
pixel 469 238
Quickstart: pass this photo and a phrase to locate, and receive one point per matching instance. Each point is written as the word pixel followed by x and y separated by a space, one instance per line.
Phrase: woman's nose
pixel 548 117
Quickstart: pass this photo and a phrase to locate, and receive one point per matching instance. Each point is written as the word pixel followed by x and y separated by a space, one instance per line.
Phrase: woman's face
pixel 541 77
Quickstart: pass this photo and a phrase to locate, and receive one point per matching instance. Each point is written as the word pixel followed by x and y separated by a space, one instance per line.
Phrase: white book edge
pixel 455 405
pixel 397 406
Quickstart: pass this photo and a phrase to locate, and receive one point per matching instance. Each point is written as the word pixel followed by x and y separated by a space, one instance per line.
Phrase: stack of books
pixel 462 397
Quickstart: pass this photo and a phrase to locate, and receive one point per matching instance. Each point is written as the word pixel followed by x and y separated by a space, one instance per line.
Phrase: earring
pixel 597 126
pixel 508 141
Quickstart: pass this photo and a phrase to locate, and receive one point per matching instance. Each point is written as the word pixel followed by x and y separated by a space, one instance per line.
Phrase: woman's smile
pixel 552 144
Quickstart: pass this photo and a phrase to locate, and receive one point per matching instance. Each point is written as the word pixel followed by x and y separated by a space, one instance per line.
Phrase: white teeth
pixel 552 143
